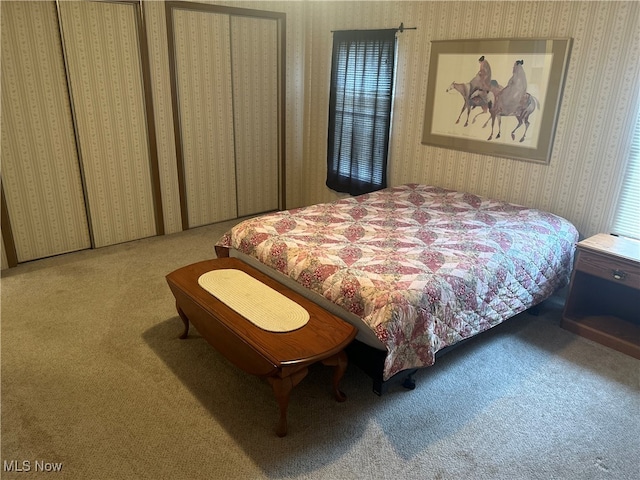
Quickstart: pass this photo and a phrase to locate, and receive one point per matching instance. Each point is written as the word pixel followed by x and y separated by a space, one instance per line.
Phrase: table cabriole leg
pixel 339 361
pixel 185 320
pixel 282 390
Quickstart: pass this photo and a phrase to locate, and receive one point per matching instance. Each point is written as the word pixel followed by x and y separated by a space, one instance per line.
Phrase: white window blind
pixel 627 218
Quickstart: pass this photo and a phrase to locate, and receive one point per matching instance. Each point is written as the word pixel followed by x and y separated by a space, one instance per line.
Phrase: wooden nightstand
pixel 604 294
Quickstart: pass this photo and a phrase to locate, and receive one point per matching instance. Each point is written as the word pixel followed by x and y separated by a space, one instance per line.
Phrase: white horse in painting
pixel 513 101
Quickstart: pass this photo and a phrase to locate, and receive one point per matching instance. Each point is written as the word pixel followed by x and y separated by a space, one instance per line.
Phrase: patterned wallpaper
pixel 601 98
pixel 596 117
pixel 597 114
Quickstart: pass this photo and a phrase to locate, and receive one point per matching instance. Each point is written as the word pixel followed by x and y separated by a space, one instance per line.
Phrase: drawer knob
pixel 619 275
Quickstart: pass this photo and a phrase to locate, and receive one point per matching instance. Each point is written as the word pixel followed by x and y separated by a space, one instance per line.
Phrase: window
pixel 627 218
pixel 360 110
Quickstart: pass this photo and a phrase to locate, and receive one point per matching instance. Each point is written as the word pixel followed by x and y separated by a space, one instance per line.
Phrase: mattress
pixel 420 267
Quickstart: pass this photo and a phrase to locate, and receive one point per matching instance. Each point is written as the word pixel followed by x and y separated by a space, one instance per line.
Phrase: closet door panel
pixel 104 68
pixel 203 71
pixel 40 170
pixel 254 56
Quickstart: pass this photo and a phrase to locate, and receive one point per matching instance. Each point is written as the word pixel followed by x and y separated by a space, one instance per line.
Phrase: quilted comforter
pixel 423 267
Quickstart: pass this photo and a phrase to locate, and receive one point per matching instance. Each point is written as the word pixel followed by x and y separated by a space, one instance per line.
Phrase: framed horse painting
pixel 497 97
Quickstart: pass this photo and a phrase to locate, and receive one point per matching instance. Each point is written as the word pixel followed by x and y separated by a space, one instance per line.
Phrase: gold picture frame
pixel 477 85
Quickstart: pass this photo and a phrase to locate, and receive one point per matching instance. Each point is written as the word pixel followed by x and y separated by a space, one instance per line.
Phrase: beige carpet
pixel 94 378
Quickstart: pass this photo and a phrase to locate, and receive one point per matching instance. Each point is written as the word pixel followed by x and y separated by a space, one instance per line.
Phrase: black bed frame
pixel 371 361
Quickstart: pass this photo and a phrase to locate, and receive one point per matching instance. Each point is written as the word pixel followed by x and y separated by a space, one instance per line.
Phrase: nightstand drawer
pixel 609 268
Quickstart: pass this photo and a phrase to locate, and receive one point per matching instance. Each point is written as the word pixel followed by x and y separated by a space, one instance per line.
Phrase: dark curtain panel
pixel 360 110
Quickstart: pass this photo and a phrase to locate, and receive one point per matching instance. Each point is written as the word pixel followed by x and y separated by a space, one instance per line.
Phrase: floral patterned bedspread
pixel 422 266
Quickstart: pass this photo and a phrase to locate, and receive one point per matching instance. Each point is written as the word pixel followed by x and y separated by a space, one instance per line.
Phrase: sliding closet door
pixel 104 64
pixel 203 77
pixel 254 51
pixel 40 171
pixel 227 69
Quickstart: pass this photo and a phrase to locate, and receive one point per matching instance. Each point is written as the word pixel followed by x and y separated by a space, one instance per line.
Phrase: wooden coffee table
pixel 283 358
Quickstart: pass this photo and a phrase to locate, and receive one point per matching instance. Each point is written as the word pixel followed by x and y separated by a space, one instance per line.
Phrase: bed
pixel 416 268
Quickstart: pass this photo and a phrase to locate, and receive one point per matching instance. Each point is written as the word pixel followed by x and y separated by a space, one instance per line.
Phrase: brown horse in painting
pixel 465 90
pixel 473 99
pixel 476 92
